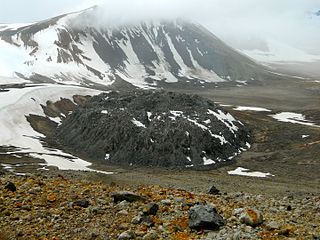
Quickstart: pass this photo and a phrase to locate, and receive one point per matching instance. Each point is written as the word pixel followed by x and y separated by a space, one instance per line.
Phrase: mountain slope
pixel 66 49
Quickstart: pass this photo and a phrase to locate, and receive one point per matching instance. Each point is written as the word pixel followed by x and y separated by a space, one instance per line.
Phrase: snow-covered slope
pixel 66 49
pixel 16 132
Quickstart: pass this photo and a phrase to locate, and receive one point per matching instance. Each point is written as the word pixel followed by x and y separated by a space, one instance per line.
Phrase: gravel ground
pixel 63 205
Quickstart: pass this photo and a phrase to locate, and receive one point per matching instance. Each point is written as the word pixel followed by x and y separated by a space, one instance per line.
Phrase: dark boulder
pixel 214 191
pixel 81 203
pixel 151 209
pixel 127 196
pixel 205 217
pixel 10 186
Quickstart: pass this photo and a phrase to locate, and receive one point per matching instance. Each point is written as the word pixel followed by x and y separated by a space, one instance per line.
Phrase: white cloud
pixel 236 21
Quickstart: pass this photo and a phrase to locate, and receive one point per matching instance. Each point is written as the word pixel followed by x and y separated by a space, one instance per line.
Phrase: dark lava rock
pixel 10 186
pixel 153 128
pixel 81 203
pixel 214 191
pixel 127 196
pixel 205 217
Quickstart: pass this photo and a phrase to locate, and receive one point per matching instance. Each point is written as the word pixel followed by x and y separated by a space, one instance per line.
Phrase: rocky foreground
pixel 66 207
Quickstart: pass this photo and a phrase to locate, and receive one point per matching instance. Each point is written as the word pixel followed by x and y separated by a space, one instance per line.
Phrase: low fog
pixel 244 24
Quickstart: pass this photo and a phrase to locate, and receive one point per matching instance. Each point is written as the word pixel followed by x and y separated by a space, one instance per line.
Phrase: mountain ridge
pixel 142 54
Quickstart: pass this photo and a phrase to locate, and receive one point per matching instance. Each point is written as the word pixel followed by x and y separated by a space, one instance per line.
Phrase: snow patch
pixel 208 161
pixel 205 128
pixel 255 109
pixel 17 132
pixel 138 123
pixel 226 119
pixel 246 172
pixel 291 117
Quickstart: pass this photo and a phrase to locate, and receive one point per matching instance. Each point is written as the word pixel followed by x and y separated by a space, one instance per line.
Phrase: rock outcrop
pixel 146 128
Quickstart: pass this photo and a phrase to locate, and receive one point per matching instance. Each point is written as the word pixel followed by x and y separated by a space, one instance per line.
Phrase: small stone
pixel 152 235
pixel 10 186
pixel 123 204
pixel 15 217
pixel 238 211
pixel 6 212
pixel 151 209
pixel 86 192
pixel 248 229
pixel 232 219
pixel 205 217
pixel 166 202
pixel 140 233
pixel 286 231
pixel 236 235
pixel 34 190
pixel 251 217
pixel 123 226
pixel 26 207
pixel 213 190
pixel 94 235
pixel 128 196
pixel 289 208
pixel 272 225
pixel 180 199
pixel 211 235
pixel 95 210
pixel 123 212
pixel 147 220
pixel 51 197
pixel 137 219
pixel 81 203
pixel 126 235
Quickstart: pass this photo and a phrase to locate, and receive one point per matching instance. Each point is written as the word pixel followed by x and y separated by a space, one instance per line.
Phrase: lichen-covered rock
pixel 153 128
pixel 251 217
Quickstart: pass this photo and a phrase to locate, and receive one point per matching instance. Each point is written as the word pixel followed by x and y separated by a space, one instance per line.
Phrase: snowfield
pixel 16 103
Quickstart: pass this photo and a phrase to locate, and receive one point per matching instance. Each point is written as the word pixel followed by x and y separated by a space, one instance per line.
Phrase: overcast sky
pixel 235 21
